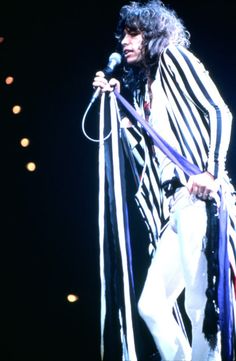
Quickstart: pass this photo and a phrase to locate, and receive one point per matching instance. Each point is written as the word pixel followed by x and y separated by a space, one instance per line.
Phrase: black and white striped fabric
pixel 149 195
pixel 189 113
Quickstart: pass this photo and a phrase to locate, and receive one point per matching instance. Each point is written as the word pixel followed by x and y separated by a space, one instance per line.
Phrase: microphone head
pixel 115 57
pixel 114 60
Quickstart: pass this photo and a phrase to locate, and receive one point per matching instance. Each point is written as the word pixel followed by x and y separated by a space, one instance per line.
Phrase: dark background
pixel 49 232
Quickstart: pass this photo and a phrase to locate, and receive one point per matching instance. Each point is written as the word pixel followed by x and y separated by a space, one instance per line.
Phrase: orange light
pixel 9 80
pixel 16 109
pixel 72 298
pixel 31 166
pixel 24 142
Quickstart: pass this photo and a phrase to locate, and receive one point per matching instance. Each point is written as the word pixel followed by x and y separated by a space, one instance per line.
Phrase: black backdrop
pixel 48 233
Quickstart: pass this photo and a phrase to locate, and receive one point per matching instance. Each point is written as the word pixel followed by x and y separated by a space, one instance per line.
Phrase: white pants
pixel 179 262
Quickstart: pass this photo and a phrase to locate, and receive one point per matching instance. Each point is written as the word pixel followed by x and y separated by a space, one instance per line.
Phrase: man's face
pixel 132 46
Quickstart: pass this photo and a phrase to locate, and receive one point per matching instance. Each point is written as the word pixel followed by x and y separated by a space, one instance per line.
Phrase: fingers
pixel 192 186
pixel 115 84
pixel 205 195
pixel 101 82
pixel 100 74
pixel 202 192
pixel 203 186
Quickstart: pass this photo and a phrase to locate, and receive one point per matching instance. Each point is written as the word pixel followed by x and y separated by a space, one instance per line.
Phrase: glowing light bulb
pixel 24 142
pixel 9 80
pixel 72 298
pixel 16 109
pixel 31 166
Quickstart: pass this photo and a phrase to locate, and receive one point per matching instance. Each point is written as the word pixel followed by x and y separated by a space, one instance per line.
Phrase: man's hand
pixel 203 186
pixel 101 82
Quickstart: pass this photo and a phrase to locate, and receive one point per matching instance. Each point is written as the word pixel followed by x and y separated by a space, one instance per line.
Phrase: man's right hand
pixel 101 82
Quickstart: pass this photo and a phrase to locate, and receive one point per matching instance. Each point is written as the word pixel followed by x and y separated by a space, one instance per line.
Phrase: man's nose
pixel 125 40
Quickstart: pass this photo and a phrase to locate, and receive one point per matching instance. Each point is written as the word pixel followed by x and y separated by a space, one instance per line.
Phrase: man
pixel 174 93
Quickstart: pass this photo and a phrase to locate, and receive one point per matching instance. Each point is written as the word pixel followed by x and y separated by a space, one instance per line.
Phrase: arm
pixel 209 120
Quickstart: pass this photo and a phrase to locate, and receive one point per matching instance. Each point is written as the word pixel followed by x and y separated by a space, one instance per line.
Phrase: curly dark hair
pixel 159 25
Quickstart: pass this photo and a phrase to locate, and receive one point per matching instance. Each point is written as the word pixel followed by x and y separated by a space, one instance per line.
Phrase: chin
pixel 131 61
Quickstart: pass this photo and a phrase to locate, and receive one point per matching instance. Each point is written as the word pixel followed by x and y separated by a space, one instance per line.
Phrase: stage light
pixel 9 80
pixel 16 109
pixel 31 166
pixel 24 142
pixel 72 298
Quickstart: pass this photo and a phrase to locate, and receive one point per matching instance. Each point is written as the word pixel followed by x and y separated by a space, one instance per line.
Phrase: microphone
pixel 113 61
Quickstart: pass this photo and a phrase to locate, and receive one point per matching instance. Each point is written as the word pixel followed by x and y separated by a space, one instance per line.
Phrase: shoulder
pixel 178 58
pixel 174 52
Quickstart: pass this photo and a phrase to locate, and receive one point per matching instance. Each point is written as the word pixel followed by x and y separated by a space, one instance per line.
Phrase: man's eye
pixel 134 33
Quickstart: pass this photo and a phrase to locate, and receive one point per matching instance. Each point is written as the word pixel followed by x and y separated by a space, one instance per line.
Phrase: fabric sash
pixel 117 280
